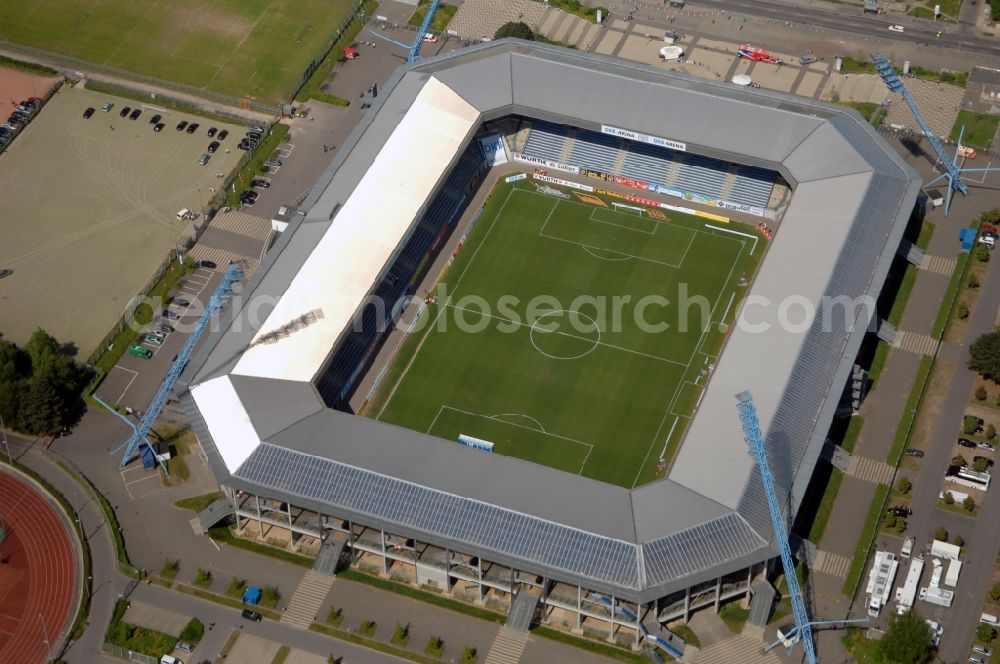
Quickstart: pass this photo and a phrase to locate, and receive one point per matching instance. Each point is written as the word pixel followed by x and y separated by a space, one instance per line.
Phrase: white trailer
pixel 954 569
pixel 936 574
pixel 938 596
pixel 941 549
pixel 906 594
pixel 880 580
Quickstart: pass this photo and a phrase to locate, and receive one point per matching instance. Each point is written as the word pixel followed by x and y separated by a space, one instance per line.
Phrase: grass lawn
pixel 944 313
pixel 258 48
pixel 825 508
pixel 523 348
pixel 979 129
pixel 910 411
pixel 734 615
pixel 902 295
pixel 441 20
pixel 198 503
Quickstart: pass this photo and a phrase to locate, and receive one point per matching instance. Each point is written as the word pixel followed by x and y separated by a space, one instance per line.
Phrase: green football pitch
pixel 257 48
pixel 571 335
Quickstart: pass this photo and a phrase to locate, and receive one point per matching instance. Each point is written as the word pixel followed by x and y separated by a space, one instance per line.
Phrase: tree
pixel 42 410
pixel 985 633
pixel 983 253
pixel 962 310
pixel 995 592
pixel 959 460
pixel 904 485
pixel 908 639
pixel 984 356
pixel 973 281
pixel 900 527
pixel 941 534
pixel 980 464
pixel 518 29
pixel 949 498
pixel 981 393
pixel 969 425
pixel 991 431
pixel 959 540
pixel 969 504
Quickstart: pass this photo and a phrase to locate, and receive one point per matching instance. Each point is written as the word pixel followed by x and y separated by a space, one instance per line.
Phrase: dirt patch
pixel 16 86
pixel 934 395
pixel 959 327
pixel 988 408
pixel 201 18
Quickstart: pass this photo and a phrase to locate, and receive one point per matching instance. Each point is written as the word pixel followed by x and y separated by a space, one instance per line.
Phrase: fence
pixel 74 67
pixel 31 118
pixel 128 655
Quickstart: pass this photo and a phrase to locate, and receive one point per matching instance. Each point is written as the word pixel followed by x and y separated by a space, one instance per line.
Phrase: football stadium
pixel 497 353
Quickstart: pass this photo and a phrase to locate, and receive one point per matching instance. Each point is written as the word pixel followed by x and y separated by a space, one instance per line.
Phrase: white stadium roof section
pixel 363 237
pixel 263 425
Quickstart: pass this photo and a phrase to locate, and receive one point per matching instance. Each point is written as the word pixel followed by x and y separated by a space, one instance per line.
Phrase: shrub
pixel 973 281
pixel 991 431
pixel 941 534
pixel 236 587
pixel 962 310
pixel 983 253
pixel 402 635
pixel 980 464
pixel 435 646
pixel 970 423
pixel 900 526
pixel 968 504
pixel 367 628
pixel 170 569
pixel 959 460
pixel 203 579
pixel 959 540
pixel 904 485
pixel 335 616
pixel 270 596
pixel 995 592
pixel 981 393
pixel 469 656
pixel 985 633
pixel 949 498
pixel 193 631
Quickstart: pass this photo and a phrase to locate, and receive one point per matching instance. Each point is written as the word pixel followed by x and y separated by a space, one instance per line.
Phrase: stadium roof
pixel 265 428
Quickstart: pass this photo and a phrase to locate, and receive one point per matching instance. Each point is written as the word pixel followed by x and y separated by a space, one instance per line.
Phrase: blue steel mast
pixel 413 50
pixel 755 441
pixel 141 432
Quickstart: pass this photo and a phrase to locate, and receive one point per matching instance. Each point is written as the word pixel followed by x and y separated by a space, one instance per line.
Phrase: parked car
pixel 156 118
pixel 919 454
pixel 213 146
pixel 987 446
pixel 88 113
pixel 896 28
pixel 158 127
pixel 152 339
pixel 900 511
pixel 181 125
pixel 107 107
pixel 170 659
pixel 203 159
pixel 140 352
pixel 184 646
pixel 6 273
pixel 965 442
pixel 181 302
pixel 252 615
pixel 252 195
pixel 222 135
pixel 209 265
pixel 193 127
pixel 211 131
pixel 260 183
pixel 125 111
pixel 163 329
pixel 134 115
pixel 170 315
pixel 274 163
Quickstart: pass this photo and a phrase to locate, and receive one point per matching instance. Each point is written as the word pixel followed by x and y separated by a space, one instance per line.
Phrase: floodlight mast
pixel 755 441
pixel 140 433
pixel 413 50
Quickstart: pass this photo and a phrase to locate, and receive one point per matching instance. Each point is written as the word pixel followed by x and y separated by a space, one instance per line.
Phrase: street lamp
pixel 5 445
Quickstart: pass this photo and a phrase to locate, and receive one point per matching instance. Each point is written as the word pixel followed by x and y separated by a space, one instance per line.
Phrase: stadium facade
pixel 267 400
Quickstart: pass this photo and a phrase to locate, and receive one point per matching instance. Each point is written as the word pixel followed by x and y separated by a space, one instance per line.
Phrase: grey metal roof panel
pixel 441 514
pixel 485 81
pixel 514 484
pixel 276 404
pixel 653 507
pixel 825 154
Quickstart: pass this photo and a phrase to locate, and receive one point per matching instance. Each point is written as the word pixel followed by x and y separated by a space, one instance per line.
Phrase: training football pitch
pixel 257 48
pixel 572 334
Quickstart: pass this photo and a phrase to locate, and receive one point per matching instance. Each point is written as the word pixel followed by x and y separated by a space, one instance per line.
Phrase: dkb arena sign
pixel 493 149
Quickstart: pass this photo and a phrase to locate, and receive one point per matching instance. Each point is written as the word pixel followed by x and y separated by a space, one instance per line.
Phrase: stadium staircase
pixel 622 155
pixel 507 648
pixel 760 609
pixel 740 648
pixel 567 148
pixel 214 513
pixel 728 183
pixel 522 609
pixel 329 556
pixel 308 597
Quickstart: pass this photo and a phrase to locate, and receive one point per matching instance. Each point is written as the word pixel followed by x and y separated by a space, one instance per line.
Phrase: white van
pixel 170 659
pixel 989 619
pixel 907 547
pixel 183 214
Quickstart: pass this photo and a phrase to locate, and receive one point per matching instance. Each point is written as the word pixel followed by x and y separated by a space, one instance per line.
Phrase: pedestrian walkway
pixel 833 564
pixel 303 608
pixel 869 470
pixel 242 223
pixel 912 342
pixel 938 264
pixel 740 648
pixel 507 647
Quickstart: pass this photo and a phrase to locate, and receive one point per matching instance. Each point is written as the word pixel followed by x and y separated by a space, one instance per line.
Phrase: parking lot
pixel 90 210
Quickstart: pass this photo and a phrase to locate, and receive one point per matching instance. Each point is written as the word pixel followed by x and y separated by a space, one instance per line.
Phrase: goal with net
pixel 622 207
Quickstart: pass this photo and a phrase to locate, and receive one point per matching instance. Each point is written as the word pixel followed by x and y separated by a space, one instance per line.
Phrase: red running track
pixel 37 574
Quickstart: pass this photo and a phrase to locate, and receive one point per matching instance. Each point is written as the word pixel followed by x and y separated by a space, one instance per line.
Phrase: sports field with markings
pixel 571 334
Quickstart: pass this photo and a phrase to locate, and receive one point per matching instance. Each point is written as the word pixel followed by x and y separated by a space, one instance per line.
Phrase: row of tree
pixel 41 385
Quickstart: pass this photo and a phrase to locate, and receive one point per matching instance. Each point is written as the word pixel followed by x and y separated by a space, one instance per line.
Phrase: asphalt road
pixel 850 19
